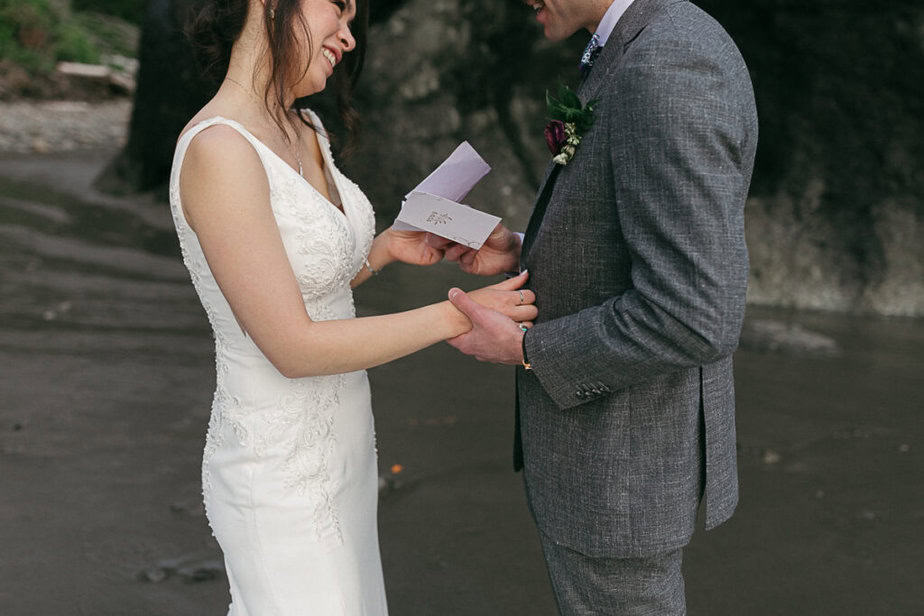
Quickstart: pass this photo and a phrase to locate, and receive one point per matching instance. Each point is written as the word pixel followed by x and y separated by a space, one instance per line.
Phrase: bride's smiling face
pixel 323 46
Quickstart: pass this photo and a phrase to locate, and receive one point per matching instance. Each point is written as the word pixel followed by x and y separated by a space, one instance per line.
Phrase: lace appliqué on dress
pixel 303 422
pixel 326 251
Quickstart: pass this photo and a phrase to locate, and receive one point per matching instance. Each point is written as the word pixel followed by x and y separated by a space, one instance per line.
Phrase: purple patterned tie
pixel 590 54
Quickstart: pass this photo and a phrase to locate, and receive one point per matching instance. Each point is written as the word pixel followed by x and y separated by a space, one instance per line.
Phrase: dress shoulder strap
pixel 182 146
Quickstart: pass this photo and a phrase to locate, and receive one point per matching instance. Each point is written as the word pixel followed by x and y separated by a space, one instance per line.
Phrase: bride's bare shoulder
pixel 220 167
pixel 220 149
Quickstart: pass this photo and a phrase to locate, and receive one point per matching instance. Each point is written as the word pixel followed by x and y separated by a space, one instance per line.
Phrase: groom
pixel 636 253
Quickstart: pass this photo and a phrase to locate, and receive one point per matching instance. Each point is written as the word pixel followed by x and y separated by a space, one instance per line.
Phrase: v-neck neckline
pixel 327 166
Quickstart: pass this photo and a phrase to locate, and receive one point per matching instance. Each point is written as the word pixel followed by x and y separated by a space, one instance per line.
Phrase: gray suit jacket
pixel 637 257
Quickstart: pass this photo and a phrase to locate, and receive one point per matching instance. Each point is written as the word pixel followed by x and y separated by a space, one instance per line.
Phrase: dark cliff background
pixel 834 218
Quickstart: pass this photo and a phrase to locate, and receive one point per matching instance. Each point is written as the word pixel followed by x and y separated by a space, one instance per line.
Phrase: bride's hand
pixel 510 299
pixel 412 247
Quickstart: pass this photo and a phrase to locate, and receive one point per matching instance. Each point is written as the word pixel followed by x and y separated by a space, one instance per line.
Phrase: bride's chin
pixel 308 89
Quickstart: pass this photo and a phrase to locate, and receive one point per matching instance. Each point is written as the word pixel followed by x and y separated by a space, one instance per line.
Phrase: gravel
pixel 61 126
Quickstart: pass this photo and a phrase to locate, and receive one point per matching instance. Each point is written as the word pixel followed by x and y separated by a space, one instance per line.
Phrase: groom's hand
pixel 493 338
pixel 499 254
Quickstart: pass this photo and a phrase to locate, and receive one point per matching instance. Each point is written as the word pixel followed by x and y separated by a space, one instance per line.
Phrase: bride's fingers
pixel 512 284
pixel 435 241
pixel 523 312
pixel 468 258
pixel 526 313
pixel 525 296
pixel 455 251
pixel 520 297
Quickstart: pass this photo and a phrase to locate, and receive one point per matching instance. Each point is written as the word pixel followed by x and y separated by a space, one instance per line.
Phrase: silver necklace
pixel 293 151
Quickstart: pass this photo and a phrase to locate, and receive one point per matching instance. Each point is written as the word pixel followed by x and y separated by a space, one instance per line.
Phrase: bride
pixel 275 237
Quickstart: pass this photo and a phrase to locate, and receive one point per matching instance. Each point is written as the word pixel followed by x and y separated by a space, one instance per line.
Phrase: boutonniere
pixel 569 120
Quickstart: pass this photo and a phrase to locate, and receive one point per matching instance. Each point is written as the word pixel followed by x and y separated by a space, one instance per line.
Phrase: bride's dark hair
pixel 216 25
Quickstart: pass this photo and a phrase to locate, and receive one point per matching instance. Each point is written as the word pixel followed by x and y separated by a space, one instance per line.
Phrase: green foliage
pixel 110 35
pixel 26 32
pixel 36 34
pixel 74 45
pixel 568 108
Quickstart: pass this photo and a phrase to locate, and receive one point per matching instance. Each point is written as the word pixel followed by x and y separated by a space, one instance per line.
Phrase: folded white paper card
pixel 434 205
pixel 456 176
pixel 454 221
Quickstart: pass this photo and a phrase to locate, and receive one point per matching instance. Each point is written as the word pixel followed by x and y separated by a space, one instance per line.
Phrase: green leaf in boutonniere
pixel 568 121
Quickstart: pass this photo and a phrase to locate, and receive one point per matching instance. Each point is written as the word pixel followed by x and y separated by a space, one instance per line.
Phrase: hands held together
pixel 499 254
pixel 497 329
pixel 499 314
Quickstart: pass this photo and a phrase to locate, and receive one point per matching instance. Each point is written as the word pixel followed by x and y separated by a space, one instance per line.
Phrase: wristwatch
pixel 526 364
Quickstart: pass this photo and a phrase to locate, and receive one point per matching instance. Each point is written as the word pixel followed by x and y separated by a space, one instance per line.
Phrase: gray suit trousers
pixel 588 586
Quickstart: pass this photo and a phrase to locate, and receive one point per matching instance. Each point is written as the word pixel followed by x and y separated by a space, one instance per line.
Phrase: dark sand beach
pixel 107 377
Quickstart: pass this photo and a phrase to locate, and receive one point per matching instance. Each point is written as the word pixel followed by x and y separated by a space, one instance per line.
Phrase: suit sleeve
pixel 681 126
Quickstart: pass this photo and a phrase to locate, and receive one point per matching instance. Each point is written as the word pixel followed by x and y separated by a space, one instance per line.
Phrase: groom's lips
pixel 538 7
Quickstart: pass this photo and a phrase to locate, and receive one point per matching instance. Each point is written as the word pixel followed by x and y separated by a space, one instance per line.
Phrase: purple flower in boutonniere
pixel 555 136
pixel 569 121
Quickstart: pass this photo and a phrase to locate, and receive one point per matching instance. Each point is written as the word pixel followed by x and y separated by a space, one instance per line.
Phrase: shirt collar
pixel 612 15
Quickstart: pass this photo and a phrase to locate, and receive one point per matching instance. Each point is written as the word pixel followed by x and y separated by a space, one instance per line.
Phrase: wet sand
pixel 105 385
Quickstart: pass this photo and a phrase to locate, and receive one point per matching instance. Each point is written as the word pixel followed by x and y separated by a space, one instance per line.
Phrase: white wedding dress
pixel 289 472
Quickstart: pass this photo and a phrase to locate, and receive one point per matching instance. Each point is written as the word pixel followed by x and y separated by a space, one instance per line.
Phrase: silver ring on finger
pixel 522 298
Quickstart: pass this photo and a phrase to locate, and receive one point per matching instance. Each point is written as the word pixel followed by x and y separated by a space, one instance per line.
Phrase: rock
pixel 57 126
pixel 834 222
pixel 40 146
pixel 198 567
pixel 153 574
pixel 824 231
pixel 868 516
pixel 389 484
pixel 202 571
pixel 770 457
pixel 193 507
pixel 775 336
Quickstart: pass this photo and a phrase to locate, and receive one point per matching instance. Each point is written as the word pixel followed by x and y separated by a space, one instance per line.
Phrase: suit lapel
pixel 632 22
pixel 630 25
pixel 535 219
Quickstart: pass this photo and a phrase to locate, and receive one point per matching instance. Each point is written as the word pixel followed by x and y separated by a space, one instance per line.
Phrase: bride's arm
pixel 225 196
